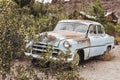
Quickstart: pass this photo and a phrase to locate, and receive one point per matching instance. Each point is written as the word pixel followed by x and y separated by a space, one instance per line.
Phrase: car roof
pixel 87 22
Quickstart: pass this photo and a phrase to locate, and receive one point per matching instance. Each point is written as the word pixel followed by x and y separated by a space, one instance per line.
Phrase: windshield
pixel 71 26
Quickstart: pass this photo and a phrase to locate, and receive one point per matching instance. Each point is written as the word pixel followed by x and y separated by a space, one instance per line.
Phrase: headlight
pixel 66 44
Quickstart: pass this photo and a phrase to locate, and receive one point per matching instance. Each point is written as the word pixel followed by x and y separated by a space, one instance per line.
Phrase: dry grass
pixel 24 70
pixel 106 57
pixel 117 40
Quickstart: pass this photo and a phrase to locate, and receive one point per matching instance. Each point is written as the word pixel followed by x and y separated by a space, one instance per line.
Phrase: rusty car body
pixel 73 37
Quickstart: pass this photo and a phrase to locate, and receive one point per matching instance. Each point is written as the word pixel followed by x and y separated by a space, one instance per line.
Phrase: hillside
pixel 111 5
pixel 108 5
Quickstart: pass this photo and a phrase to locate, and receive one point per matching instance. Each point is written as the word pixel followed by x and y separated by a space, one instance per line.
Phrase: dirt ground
pixel 102 70
pixel 91 70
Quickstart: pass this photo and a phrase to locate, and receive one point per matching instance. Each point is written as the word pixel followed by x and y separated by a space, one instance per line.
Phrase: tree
pixel 12 36
pixel 110 29
pixel 74 15
pixel 98 11
pixel 23 3
pixel 17 22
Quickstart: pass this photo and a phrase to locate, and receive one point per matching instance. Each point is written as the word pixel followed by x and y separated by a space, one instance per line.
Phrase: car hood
pixel 62 34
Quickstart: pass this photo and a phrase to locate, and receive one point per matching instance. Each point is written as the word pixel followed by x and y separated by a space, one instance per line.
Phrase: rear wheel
pixel 108 50
pixel 107 56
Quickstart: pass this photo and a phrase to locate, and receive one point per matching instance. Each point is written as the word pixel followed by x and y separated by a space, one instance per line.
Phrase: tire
pixel 81 54
pixel 107 56
pixel 78 58
pixel 107 51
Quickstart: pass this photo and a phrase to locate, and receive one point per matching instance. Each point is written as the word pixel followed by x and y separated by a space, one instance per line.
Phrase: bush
pixel 110 29
pixel 23 3
pixel 18 21
pixel 11 35
pixel 106 57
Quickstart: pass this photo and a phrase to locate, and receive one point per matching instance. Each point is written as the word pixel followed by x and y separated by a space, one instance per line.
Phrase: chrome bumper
pixel 50 57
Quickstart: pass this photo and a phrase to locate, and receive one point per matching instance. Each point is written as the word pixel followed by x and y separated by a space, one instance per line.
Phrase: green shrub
pixel 18 21
pixel 11 35
pixel 110 28
pixel 23 3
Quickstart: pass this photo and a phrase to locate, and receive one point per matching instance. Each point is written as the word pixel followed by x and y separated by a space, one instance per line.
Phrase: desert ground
pixel 92 69
pixel 103 70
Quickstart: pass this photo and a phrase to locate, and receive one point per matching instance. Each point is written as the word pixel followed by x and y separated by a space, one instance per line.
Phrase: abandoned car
pixel 78 40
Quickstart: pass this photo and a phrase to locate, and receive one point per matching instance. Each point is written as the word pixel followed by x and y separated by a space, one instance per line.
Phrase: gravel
pixel 102 70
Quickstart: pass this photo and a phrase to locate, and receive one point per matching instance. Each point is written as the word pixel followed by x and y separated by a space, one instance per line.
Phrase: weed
pixel 106 57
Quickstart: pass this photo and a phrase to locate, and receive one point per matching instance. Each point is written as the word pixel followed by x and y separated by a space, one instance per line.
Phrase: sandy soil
pixel 91 69
pixel 102 70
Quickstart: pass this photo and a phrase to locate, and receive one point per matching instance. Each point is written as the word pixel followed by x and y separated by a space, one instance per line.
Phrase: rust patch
pixel 70 34
pixel 74 36
pixel 85 40
pixel 52 38
pixel 88 41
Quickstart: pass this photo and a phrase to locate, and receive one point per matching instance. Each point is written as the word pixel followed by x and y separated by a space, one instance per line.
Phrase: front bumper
pixel 64 58
pixel 42 50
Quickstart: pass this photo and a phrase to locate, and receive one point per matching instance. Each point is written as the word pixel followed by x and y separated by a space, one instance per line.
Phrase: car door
pixel 97 40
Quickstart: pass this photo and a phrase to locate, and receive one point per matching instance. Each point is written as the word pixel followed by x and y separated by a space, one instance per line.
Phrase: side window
pixel 100 29
pixel 92 29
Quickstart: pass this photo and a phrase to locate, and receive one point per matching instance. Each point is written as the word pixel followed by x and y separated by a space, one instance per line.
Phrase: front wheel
pixel 78 58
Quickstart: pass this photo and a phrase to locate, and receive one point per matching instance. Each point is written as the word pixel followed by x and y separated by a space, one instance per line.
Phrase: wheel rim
pixel 76 59
pixel 108 50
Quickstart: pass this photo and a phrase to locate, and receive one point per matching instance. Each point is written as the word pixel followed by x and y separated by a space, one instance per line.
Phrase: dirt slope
pixel 103 70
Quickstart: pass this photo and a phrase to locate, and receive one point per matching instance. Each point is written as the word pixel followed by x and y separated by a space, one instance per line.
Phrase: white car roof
pixel 87 22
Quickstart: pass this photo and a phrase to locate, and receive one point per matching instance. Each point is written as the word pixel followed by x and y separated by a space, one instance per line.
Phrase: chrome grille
pixel 43 48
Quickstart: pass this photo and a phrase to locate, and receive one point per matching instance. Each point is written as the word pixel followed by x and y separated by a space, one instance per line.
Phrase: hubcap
pixel 76 59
